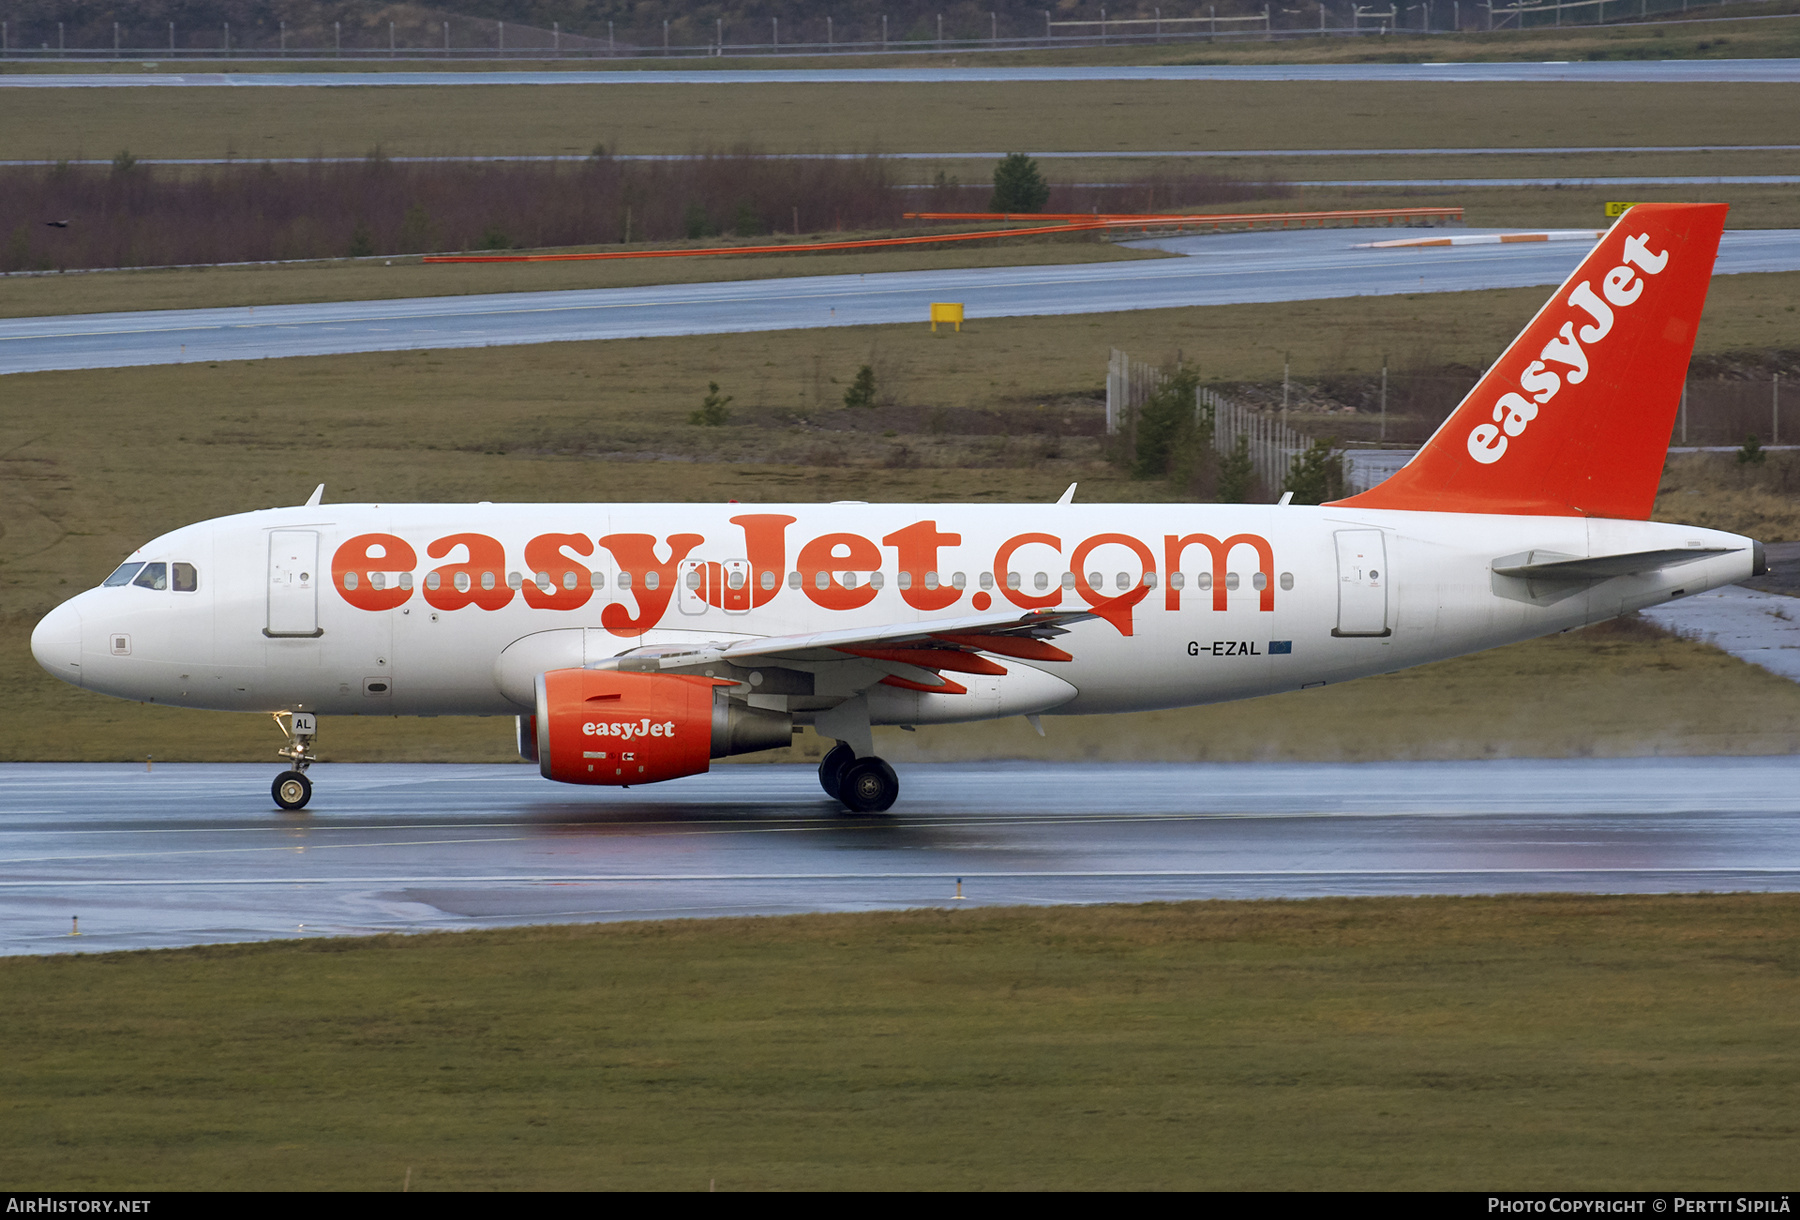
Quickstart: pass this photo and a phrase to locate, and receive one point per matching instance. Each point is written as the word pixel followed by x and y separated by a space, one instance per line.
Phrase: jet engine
pixel 603 726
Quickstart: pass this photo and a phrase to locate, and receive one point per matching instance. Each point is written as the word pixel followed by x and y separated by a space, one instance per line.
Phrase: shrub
pixel 712 412
pixel 862 388
pixel 1752 451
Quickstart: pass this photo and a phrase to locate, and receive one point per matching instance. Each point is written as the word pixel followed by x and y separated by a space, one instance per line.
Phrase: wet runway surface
pixel 195 854
pixel 1223 269
pixel 1657 71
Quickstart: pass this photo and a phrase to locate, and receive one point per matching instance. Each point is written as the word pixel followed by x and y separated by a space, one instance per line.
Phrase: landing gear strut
pixel 292 789
pixel 866 785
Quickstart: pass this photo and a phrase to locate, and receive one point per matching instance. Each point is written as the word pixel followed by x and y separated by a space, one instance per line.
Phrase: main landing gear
pixel 292 789
pixel 865 785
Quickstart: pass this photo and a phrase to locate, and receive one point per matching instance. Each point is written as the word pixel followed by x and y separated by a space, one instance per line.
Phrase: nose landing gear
pixel 292 789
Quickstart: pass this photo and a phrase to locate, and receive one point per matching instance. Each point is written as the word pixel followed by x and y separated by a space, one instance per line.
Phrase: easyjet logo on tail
pixel 1569 350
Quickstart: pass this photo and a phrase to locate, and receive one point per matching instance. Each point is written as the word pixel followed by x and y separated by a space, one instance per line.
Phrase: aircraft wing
pixel 1008 633
pixel 911 654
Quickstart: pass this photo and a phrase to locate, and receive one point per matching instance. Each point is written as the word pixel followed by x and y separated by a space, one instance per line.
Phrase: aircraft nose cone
pixel 56 643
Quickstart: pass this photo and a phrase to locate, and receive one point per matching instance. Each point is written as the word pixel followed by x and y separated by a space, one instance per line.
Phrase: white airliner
pixel 637 642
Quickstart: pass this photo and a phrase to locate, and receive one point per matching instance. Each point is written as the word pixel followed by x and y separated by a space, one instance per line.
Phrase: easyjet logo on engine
pixel 1111 572
pixel 628 730
pixel 1539 382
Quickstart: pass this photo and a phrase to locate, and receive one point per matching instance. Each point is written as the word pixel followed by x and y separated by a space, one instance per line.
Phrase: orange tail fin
pixel 1574 418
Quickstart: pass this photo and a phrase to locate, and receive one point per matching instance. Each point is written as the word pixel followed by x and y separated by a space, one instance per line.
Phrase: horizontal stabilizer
pixel 1547 565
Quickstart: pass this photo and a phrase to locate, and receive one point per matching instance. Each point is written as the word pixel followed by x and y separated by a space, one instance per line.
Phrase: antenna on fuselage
pixel 318 496
pixel 1068 497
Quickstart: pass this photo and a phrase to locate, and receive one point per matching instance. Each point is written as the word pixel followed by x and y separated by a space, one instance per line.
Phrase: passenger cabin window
pixel 154 576
pixel 187 580
pixel 122 576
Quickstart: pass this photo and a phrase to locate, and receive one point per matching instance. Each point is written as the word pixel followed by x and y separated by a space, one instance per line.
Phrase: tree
pixel 1237 473
pixel 1316 475
pixel 862 389
pixel 1018 187
pixel 712 412
pixel 1168 429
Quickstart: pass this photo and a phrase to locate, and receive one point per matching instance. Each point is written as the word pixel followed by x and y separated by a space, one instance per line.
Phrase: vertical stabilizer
pixel 1574 418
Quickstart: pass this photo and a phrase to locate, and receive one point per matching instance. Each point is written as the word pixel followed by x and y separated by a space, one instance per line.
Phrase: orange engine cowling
pixel 609 727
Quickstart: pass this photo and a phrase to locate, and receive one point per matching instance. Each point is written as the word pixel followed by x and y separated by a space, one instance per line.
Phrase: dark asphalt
pixel 194 854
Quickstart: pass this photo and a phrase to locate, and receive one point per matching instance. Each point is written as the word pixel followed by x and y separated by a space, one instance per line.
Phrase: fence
pixel 1129 384
pixel 689 38
pixel 1723 412
pixel 1272 445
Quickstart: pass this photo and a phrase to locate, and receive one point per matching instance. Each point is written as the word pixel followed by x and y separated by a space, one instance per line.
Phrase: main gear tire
pixel 832 766
pixel 291 790
pixel 869 785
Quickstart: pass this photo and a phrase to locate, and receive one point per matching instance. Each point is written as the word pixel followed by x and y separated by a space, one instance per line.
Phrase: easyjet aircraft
pixel 637 642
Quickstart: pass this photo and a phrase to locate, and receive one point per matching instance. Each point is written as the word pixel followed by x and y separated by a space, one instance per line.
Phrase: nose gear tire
pixel 291 790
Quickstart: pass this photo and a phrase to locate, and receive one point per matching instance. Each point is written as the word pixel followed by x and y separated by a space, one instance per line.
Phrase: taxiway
pixel 1221 269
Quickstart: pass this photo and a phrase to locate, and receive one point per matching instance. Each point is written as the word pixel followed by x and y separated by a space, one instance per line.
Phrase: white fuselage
pixel 1304 596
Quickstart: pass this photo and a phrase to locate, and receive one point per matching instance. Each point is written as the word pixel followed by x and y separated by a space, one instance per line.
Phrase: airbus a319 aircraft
pixel 637 642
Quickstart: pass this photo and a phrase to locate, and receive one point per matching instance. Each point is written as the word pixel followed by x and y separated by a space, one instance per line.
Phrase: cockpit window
pixel 154 576
pixel 122 576
pixel 186 579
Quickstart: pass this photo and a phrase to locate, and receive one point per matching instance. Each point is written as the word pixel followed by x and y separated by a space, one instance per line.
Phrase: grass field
pixel 1626 1043
pixel 860 118
pixel 94 463
pixel 1734 31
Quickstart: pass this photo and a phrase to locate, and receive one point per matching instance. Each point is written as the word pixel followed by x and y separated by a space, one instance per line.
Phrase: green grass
pixel 1627 1043
pixel 861 118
